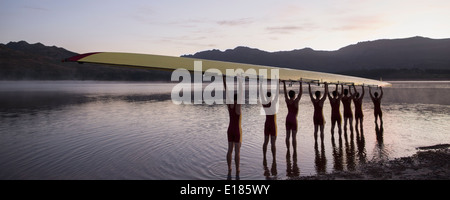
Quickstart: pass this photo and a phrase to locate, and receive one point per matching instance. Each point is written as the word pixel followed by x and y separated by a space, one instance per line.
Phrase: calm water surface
pixel 122 130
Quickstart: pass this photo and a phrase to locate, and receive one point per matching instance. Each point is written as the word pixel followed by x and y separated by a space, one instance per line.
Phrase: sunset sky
pixel 184 27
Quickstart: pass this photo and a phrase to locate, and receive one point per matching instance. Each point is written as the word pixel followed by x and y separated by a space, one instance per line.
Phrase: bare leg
pixel 345 123
pixel 229 154
pixel 321 132
pixel 339 127
pixel 273 146
pixel 316 127
pixel 294 140
pixel 237 157
pixel 381 118
pixel 333 124
pixel 350 120
pixel 266 141
pixel 361 124
pixel 288 135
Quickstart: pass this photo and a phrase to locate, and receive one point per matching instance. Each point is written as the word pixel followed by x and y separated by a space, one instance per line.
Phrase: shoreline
pixel 428 163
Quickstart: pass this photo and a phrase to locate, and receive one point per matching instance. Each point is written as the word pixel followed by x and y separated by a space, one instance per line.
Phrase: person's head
pixel 334 93
pixel 291 94
pixel 357 94
pixel 317 93
pixel 345 92
pixel 376 94
pixel 269 96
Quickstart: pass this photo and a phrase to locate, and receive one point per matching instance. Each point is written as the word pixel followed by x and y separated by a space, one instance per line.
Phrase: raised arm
pixel 241 99
pixel 341 94
pixel 354 88
pixel 285 93
pixel 370 93
pixel 240 92
pixel 224 82
pixel 362 94
pixel 300 91
pixel 227 96
pixel 326 92
pixel 310 93
pixel 262 96
pixel 381 95
pixel 277 94
pixel 352 95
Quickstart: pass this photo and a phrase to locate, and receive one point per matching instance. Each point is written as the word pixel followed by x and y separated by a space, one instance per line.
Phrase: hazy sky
pixel 170 27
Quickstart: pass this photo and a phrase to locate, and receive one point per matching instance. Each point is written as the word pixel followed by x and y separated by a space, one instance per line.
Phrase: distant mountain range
pixel 24 61
pixel 409 58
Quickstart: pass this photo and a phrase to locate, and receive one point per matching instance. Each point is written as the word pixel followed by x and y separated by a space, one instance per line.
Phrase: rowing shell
pixel 148 61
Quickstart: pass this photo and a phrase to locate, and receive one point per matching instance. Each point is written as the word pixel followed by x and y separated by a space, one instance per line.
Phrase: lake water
pixel 123 130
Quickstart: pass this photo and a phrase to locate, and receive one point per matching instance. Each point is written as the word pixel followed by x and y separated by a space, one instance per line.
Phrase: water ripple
pixel 134 131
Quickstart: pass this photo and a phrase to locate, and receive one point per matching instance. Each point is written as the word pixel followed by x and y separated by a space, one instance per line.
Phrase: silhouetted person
pixel 379 130
pixel 234 131
pixel 347 102
pixel 335 102
pixel 359 116
pixel 318 119
pixel 291 118
pixel 270 125
pixel 377 105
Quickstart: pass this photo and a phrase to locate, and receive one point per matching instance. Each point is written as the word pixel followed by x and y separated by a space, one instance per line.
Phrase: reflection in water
pixel 379 131
pixel 380 153
pixel 361 145
pixel 338 154
pixel 29 102
pixel 350 152
pixel 292 169
pixel 134 131
pixel 340 160
pixel 320 159
pixel 272 173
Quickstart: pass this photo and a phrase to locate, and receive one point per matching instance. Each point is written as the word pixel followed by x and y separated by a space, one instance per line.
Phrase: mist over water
pixel 128 130
pixel 426 92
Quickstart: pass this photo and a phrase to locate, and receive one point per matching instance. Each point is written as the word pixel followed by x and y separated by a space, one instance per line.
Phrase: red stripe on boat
pixel 78 57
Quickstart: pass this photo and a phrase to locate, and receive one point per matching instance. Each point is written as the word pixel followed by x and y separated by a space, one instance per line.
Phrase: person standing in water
pixel 270 125
pixel 291 118
pixel 377 105
pixel 318 119
pixel 347 102
pixel 335 102
pixel 358 108
pixel 234 132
